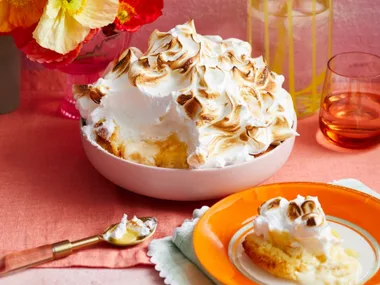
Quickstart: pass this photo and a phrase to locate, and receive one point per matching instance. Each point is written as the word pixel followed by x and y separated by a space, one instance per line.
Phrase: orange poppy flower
pixel 19 13
pixel 133 14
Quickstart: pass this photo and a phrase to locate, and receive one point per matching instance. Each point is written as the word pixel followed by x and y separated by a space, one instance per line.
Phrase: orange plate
pixel 217 226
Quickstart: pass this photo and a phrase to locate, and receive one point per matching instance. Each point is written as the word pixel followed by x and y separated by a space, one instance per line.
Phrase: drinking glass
pixel 350 104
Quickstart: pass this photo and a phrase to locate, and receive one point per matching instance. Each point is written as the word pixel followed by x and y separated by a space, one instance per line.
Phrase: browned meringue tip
pixel 294 211
pixel 309 207
pixel 190 23
pixel 80 90
pixel 313 219
pixel 123 63
pixel 196 159
pixel 100 130
pixel 308 211
pixel 183 98
pixel 192 107
pixel 270 204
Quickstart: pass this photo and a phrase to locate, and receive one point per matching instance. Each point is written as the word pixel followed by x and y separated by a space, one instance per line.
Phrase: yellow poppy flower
pixel 19 13
pixel 66 23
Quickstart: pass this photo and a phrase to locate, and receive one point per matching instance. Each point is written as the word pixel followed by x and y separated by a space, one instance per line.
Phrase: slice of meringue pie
pixel 293 240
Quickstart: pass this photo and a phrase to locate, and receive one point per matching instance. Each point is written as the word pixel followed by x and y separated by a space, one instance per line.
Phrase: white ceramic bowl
pixel 185 184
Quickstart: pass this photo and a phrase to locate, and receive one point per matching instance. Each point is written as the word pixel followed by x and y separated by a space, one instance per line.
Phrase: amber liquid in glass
pixel 351 119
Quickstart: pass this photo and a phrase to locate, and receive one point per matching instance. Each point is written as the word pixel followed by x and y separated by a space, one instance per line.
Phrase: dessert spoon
pixel 21 260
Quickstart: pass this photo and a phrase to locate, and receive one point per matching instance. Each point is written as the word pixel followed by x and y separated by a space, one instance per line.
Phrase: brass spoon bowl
pixel 21 260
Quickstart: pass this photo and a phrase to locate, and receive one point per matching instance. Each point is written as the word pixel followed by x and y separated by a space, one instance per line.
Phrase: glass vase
pixel 90 63
pixel 295 37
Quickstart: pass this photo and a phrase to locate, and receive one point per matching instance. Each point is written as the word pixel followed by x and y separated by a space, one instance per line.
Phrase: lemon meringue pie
pixel 293 240
pixel 190 101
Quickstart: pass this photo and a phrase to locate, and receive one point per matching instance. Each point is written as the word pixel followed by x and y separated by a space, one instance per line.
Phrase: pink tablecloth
pixel 51 192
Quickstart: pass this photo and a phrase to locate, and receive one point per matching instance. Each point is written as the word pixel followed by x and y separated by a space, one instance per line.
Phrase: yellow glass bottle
pixel 295 37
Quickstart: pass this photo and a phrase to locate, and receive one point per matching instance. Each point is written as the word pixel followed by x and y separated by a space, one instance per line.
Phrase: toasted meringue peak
pixel 224 105
pixel 313 219
pixel 294 211
pixel 271 204
pixel 308 209
pixel 309 206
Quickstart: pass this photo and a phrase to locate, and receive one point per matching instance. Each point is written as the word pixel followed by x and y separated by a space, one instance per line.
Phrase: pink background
pixel 356 22
pixel 356 25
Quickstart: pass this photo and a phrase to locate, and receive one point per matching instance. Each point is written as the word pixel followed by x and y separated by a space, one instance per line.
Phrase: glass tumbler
pixel 350 104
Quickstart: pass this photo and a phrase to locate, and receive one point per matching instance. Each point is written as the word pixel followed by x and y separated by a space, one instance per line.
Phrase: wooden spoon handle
pixel 24 259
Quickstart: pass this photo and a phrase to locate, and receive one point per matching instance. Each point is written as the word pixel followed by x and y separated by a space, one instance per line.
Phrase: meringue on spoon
pixel 125 233
pixel 130 232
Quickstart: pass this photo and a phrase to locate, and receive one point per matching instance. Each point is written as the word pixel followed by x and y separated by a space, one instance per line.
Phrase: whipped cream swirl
pixel 303 218
pixel 225 105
